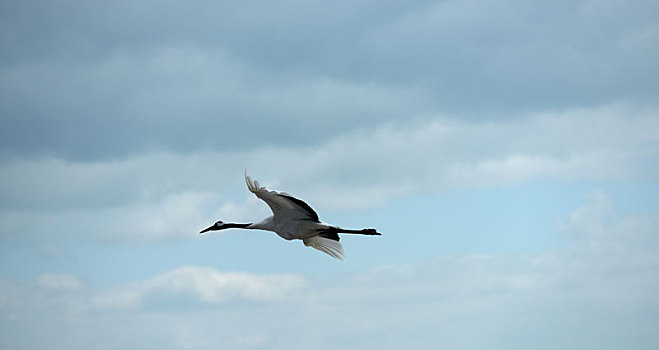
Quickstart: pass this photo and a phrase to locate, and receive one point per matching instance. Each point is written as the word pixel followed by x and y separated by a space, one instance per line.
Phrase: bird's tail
pixel 328 246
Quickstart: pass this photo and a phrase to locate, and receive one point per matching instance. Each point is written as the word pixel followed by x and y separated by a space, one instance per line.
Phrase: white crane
pixel 294 219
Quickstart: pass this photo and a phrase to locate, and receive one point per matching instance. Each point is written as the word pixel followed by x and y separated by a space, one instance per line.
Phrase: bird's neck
pixel 267 224
pixel 235 225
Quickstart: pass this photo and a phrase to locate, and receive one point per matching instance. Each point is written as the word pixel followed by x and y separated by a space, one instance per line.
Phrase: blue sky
pixel 506 150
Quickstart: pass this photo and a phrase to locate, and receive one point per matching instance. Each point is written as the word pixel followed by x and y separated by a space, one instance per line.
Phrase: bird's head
pixel 219 225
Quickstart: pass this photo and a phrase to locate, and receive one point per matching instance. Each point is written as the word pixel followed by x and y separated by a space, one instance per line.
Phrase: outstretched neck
pixel 267 224
pixel 234 225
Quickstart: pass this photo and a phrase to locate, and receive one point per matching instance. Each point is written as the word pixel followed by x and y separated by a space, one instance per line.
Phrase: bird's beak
pixel 207 229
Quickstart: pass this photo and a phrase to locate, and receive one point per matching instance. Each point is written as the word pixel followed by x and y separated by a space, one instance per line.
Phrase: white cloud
pixel 174 216
pixel 192 285
pixel 171 217
pixel 137 132
pixel 59 282
pixel 598 229
pixel 162 195
pixel 390 160
pixel 592 218
pixel 572 296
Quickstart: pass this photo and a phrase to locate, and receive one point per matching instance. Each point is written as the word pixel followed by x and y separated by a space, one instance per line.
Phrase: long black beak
pixel 207 229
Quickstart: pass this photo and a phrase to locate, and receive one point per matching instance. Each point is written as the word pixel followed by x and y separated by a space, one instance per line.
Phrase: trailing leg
pixel 366 231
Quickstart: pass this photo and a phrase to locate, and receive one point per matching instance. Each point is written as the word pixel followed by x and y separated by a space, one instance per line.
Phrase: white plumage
pixel 294 219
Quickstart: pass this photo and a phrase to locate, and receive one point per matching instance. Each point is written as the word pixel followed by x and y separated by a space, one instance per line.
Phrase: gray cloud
pixel 105 80
pixel 129 122
pixel 154 196
pixel 184 100
pixel 497 54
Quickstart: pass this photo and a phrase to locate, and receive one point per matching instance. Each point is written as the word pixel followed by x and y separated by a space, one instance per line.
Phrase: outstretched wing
pixel 328 246
pixel 282 204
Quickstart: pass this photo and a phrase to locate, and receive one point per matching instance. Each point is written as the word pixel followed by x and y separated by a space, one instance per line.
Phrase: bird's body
pixel 294 219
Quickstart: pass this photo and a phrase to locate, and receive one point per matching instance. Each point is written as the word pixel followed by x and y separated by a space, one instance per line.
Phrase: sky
pixel 508 152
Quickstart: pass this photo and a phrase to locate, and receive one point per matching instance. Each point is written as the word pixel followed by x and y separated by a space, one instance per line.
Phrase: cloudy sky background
pixel 507 150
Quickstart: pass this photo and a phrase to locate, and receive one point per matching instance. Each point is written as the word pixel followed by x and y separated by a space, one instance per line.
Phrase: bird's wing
pixel 282 204
pixel 328 246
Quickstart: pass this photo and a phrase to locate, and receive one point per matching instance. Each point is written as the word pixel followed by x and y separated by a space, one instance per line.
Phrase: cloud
pixel 573 296
pixel 254 75
pixel 59 282
pixel 598 229
pixel 161 195
pixel 591 218
pixel 53 294
pixel 59 311
pixel 172 217
pixel 192 285
pixel 501 54
pixel 181 99
pixel 128 123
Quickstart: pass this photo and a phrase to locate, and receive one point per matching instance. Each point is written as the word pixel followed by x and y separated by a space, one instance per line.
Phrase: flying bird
pixel 294 219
